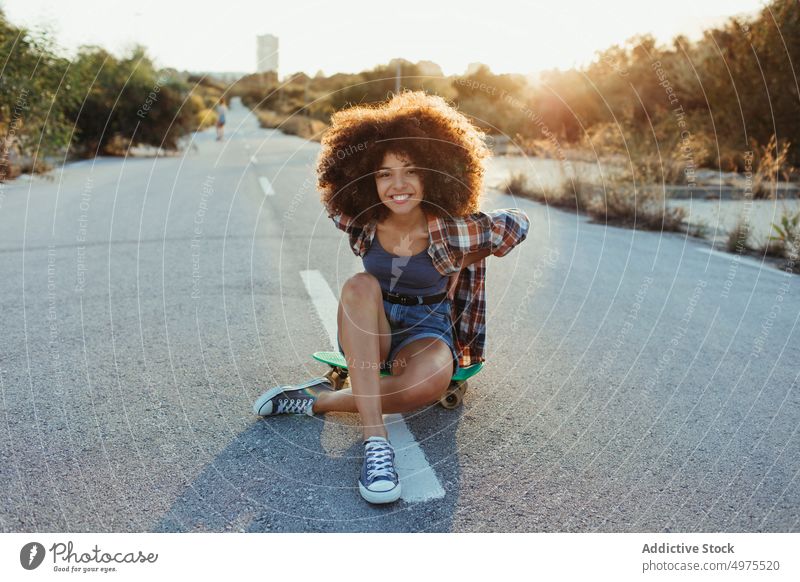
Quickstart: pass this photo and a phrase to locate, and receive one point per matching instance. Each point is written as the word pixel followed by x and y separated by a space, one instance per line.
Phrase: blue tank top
pixel 414 275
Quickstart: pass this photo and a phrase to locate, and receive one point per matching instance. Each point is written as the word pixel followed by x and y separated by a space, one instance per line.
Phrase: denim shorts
pixel 412 322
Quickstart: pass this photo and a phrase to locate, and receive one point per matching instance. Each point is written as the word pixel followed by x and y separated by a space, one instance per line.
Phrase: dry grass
pixel 616 202
pixel 644 207
pixel 570 194
pixel 773 248
pixel 739 237
pixel 577 190
pixel 771 166
pixel 517 185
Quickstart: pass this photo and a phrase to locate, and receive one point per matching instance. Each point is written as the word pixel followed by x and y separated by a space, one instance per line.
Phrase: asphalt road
pixel 634 382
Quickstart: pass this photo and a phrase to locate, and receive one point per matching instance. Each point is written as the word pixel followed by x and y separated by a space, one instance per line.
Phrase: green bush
pixel 33 122
pixel 786 240
pixel 96 104
pixel 127 102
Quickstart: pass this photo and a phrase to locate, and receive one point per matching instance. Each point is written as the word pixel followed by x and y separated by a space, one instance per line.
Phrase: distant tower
pixel 267 53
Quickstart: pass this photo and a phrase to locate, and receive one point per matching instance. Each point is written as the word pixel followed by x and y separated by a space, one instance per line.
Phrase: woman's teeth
pixel 401 197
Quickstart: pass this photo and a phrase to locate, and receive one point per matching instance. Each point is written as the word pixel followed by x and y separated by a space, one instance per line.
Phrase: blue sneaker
pixel 379 482
pixel 291 399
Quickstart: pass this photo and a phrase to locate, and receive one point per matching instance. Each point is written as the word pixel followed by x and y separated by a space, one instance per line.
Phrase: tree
pixel 32 90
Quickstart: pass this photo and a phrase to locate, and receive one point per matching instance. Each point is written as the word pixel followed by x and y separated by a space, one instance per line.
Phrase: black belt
pixel 413 299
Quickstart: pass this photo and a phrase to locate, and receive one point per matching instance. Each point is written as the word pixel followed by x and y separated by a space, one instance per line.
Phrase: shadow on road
pixel 298 474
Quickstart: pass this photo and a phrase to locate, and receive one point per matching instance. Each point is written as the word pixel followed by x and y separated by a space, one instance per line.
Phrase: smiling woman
pixel 408 201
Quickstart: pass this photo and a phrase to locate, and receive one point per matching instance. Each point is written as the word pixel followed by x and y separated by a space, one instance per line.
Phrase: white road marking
pixel 418 478
pixel 266 186
pixel 324 301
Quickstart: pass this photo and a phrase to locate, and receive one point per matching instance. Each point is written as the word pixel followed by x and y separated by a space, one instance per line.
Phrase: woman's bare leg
pixel 421 376
pixel 365 335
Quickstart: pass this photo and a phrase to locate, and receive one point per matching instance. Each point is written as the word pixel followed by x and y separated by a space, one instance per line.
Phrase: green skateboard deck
pixel 338 376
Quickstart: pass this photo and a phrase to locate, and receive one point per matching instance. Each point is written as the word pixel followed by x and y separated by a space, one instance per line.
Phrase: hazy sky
pixel 350 36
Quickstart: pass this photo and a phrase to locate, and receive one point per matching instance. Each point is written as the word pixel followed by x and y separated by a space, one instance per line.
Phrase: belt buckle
pixel 407 299
pixel 410 299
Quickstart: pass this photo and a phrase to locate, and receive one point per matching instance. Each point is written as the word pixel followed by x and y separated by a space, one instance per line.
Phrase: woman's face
pixel 399 184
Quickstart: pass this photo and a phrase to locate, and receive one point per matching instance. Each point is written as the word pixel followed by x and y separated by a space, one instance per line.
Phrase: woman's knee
pixel 361 287
pixel 424 385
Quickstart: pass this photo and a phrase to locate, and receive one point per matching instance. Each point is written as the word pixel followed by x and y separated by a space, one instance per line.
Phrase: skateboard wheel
pixel 453 397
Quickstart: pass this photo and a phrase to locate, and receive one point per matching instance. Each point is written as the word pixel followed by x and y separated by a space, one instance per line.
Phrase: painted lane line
pixel 419 480
pixel 324 301
pixel 266 186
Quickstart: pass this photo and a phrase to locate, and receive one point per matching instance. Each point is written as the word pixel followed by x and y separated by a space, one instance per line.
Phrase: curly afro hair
pixel 447 150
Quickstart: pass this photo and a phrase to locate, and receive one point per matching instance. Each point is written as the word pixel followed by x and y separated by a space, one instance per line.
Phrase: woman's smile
pixel 400 198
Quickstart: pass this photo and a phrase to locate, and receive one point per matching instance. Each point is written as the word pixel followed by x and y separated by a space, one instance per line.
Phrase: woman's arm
pixel 469 258
pixel 474 257
pixel 482 234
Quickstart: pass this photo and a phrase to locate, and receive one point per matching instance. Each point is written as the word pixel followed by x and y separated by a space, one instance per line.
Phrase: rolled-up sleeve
pixel 342 222
pixel 509 228
pixel 498 231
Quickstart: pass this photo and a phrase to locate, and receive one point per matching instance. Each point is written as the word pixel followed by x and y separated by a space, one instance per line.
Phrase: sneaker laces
pixel 294 405
pixel 379 458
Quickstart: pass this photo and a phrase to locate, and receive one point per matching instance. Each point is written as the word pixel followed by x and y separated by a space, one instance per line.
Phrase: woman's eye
pixel 411 171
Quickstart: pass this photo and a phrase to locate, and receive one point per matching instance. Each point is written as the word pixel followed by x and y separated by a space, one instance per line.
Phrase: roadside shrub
pixel 573 192
pixel 786 240
pixel 32 99
pixel 771 165
pixel 517 184
pixel 688 154
pixel 127 102
pixel 299 125
pixel 643 206
pixel 204 116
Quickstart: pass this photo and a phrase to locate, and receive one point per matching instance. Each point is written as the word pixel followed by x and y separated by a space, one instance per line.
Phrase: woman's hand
pixel 466 261
pixel 451 285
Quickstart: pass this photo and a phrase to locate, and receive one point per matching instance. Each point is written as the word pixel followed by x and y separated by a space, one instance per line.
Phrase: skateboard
pixel 338 377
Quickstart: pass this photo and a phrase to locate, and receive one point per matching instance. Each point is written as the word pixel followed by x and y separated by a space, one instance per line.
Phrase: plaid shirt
pixel 450 239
